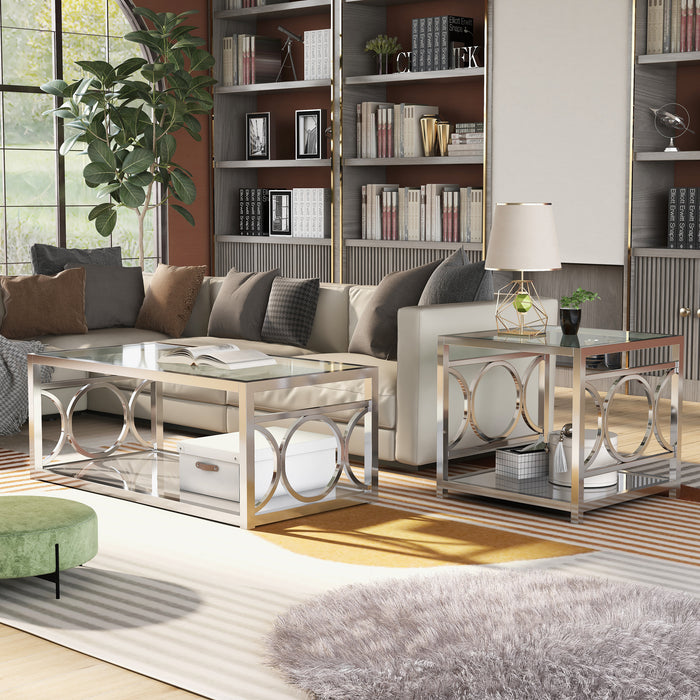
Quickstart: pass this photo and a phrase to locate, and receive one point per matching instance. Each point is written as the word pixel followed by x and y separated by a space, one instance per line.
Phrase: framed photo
pixel 310 133
pixel 280 212
pixel 257 136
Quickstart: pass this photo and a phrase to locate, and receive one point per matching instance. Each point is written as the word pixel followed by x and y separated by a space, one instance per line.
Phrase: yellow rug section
pixel 376 536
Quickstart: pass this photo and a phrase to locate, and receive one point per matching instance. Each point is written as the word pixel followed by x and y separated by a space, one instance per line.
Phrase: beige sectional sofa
pixel 407 386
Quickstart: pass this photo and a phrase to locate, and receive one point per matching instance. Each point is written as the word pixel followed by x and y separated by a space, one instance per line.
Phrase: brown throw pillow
pixel 37 305
pixel 169 299
pixel 376 333
pixel 239 308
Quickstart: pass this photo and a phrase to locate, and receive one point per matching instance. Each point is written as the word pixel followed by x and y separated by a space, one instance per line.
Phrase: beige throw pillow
pixel 169 299
pixel 37 305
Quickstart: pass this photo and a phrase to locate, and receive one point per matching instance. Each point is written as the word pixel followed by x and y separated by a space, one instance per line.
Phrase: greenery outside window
pixel 43 196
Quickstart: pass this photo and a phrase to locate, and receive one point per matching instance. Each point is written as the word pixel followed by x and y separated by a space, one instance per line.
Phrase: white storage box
pixel 210 465
pixel 517 464
pixel 603 459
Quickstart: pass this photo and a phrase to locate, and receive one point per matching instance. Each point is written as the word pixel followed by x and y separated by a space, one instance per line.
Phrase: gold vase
pixel 428 123
pixel 443 136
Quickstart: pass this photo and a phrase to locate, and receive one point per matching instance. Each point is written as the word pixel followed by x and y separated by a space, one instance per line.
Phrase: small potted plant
pixel 383 47
pixel 570 309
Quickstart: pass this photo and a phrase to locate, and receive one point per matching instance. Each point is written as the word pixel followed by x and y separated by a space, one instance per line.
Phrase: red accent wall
pixel 191 245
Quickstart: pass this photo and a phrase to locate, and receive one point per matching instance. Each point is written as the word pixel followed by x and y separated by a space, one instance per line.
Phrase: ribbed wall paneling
pixel 369 264
pixel 297 260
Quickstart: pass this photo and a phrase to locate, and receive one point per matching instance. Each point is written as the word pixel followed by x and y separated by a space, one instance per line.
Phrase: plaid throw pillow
pixel 290 311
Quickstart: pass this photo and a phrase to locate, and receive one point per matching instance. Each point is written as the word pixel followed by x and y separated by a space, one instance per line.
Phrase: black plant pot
pixel 569 320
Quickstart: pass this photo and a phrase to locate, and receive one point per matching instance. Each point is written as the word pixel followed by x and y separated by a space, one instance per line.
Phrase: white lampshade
pixel 523 237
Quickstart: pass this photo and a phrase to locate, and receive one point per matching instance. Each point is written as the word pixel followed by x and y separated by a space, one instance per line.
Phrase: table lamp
pixel 523 237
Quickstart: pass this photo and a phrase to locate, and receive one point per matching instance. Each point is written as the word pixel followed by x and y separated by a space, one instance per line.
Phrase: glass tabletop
pixel 554 338
pixel 149 356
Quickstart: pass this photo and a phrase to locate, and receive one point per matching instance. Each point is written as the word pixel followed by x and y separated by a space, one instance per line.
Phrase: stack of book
pixel 240 4
pixel 435 41
pixel 249 59
pixel 388 130
pixel 683 218
pixel 431 212
pixel 673 26
pixel 467 139
pixel 317 54
pixel 253 211
pixel 311 212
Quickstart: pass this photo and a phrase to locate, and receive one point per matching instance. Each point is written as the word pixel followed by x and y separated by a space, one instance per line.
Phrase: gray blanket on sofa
pixel 14 403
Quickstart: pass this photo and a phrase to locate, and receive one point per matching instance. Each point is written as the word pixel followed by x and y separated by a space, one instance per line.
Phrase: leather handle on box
pixel 206 467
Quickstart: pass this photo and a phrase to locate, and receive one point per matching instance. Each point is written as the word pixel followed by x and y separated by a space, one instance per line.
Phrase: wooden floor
pixel 32 668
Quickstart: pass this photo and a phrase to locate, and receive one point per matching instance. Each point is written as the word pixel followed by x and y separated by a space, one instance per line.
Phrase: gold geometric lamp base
pixel 519 310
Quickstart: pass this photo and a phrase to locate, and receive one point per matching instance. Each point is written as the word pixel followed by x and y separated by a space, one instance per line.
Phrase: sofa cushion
pixel 376 330
pixel 290 312
pixel 101 338
pixel 38 305
pixel 298 397
pixel 113 295
pixel 50 259
pixel 329 332
pixel 239 308
pixel 457 280
pixel 170 297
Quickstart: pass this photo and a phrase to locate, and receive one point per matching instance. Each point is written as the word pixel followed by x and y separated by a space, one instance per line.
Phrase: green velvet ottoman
pixel 40 536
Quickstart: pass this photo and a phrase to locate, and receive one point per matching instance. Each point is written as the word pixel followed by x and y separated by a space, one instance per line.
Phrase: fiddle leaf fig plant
pixel 127 116
pixel 577 299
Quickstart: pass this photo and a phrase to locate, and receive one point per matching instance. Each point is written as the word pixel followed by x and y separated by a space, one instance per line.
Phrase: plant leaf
pixel 131 195
pixel 96 211
pixel 184 213
pixel 183 186
pixel 137 161
pixel 97 174
pixel 99 152
pixel 105 221
pixel 55 87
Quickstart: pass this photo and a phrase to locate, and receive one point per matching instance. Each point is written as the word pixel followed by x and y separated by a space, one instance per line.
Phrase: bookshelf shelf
pixel 298 8
pixel 408 77
pixel 274 240
pixel 685 57
pixel 667 156
pixel 422 161
pixel 283 86
pixel 446 245
pixel 257 164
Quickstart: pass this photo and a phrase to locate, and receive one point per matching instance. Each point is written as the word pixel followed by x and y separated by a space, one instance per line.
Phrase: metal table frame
pixel 500 350
pixel 246 514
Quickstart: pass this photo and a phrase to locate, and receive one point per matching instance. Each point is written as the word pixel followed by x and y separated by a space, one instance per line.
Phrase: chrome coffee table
pixel 142 470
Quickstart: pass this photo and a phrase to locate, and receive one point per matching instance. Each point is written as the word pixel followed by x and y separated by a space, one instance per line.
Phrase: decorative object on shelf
pixel 132 165
pixel 257 136
pixel 384 48
pixel 310 130
pixel 403 61
pixel 287 51
pixel 280 212
pixel 523 237
pixel 428 130
pixel 570 310
pixel 443 136
pixel 671 120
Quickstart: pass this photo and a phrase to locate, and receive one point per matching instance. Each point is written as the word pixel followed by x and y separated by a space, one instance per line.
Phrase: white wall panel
pixel 560 117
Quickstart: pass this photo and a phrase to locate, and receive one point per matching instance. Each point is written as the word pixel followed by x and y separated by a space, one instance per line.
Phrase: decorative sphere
pixel 522 303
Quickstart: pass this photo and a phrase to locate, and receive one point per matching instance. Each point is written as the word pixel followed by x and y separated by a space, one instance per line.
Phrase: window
pixel 43 196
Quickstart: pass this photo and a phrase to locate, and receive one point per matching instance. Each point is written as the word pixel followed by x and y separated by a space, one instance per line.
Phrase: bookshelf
pixel 343 255
pixel 664 282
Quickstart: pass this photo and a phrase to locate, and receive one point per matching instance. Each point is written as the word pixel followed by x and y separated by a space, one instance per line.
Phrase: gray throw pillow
pixel 239 309
pixel 291 310
pixel 376 332
pixel 113 295
pixel 457 280
pixel 50 259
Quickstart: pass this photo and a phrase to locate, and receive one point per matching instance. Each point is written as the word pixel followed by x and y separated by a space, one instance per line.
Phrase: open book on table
pixel 229 356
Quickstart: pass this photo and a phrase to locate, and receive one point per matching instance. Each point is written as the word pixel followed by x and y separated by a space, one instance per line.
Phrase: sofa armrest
pixel 416 390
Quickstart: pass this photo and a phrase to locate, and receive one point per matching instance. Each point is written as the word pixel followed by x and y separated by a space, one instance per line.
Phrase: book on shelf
pixel 435 41
pixel 683 217
pixel 317 54
pixel 253 211
pixel 248 59
pixel 673 26
pixel 311 212
pixel 243 4
pixel 228 355
pixel 431 212
pixel 388 130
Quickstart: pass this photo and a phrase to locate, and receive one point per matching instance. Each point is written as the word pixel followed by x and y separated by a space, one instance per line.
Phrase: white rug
pixel 189 602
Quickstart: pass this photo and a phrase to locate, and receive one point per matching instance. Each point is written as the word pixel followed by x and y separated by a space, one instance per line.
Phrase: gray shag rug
pixel 492 634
